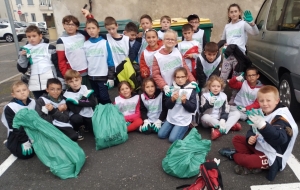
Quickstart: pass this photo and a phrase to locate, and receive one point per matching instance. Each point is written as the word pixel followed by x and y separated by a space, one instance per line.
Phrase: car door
pixel 2 30
pixel 262 48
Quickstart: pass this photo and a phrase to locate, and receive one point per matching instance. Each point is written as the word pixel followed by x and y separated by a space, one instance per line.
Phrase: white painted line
pixel 294 164
pixel 7 163
pixel 286 186
pixel 10 78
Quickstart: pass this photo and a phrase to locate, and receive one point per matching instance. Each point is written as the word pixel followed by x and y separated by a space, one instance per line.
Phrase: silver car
pixel 276 50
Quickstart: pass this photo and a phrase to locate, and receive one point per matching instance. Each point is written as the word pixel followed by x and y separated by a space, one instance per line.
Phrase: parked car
pixel 6 32
pixel 276 50
pixel 42 27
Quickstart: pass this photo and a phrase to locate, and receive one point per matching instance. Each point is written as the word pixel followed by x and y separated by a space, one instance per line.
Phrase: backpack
pixel 209 178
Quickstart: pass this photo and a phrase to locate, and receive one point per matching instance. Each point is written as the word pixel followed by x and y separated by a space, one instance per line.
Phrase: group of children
pixel 179 80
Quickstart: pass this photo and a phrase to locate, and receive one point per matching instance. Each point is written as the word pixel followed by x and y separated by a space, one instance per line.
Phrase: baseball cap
pixel 192 17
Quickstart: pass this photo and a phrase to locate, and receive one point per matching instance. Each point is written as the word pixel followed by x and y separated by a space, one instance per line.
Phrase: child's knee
pixel 238 139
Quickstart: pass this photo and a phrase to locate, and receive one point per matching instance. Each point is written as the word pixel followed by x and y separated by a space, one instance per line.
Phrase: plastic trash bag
pixel 54 149
pixel 109 126
pixel 185 156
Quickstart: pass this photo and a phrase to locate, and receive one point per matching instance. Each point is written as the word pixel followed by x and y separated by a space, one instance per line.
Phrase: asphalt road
pixel 134 165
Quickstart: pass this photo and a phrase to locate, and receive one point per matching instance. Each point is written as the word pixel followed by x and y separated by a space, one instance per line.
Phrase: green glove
pixel 28 54
pixel 73 101
pixel 223 52
pixel 146 125
pixel 241 108
pixel 248 16
pixel 110 84
pixel 197 87
pixel 26 148
pixel 88 93
pixel 157 125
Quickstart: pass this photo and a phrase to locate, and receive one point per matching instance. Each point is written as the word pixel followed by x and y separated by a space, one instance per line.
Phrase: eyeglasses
pixel 69 25
pixel 170 39
pixel 254 75
pixel 180 77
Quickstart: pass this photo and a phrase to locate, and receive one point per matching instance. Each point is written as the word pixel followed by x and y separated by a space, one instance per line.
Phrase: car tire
pixel 20 39
pixel 9 38
pixel 287 95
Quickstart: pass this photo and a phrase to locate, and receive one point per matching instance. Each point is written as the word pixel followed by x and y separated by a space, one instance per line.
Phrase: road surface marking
pixel 9 161
pixel 10 78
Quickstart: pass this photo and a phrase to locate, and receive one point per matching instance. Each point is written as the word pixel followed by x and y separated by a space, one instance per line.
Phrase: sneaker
pixel 80 137
pixel 236 127
pixel 240 170
pixel 215 133
pixel 227 152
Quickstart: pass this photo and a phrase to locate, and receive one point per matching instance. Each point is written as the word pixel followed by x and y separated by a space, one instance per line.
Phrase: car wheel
pixel 287 95
pixel 9 38
pixel 20 39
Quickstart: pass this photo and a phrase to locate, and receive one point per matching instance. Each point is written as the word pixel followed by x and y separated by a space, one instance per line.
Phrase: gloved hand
pixel 44 110
pixel 26 148
pixel 73 101
pixel 110 84
pixel 157 125
pixel 28 54
pixel 223 51
pixel 87 93
pixel 212 100
pixel 222 126
pixel 145 126
pixel 196 85
pixel 167 91
pixel 257 118
pixel 240 78
pixel 248 16
pixel 241 108
pixel 128 123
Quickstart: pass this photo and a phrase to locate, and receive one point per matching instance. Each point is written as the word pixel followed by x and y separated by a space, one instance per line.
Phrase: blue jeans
pixel 101 91
pixel 174 132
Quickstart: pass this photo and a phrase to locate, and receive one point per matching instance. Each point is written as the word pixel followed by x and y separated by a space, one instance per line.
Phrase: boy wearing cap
pixel 199 34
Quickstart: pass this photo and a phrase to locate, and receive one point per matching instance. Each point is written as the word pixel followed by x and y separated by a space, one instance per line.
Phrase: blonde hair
pixel 165 17
pixel 215 78
pixel 268 89
pixel 170 31
pixel 70 74
pixel 17 84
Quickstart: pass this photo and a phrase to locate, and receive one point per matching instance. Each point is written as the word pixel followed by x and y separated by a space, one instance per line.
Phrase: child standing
pixel 270 141
pixel 147 55
pixel 101 69
pixel 53 108
pixel 146 24
pixel 234 38
pixel 181 105
pixel 70 47
pixel 215 109
pixel 118 43
pixel 189 48
pixel 153 109
pixel 199 34
pixel 246 96
pixel 131 30
pixel 166 61
pixel 165 23
pixel 208 63
pixel 17 140
pixel 129 105
pixel 80 102
pixel 41 57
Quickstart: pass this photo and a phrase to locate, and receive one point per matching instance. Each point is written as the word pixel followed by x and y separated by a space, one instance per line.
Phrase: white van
pixel 41 26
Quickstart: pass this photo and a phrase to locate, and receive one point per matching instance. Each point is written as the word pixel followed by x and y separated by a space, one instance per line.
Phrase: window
pixel 30 2
pixel 3 26
pixel 33 17
pixel 259 20
pixel 45 2
pixel 291 20
pixel 275 15
pixel 19 2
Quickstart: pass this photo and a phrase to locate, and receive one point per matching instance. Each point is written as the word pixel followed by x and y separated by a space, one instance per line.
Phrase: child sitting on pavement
pixel 80 102
pixel 269 142
pixel 153 109
pixel 215 109
pixel 246 96
pixel 17 140
pixel 52 107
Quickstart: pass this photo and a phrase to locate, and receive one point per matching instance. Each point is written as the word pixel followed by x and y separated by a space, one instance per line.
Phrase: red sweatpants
pixel 135 125
pixel 247 156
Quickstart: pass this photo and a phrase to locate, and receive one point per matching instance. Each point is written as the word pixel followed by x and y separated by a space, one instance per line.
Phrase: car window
pixel 261 15
pixel 291 20
pixel 3 26
pixel 275 15
pixel 16 25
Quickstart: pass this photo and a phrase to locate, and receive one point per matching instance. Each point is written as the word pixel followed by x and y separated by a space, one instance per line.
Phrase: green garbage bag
pixel 185 156
pixel 57 151
pixel 109 126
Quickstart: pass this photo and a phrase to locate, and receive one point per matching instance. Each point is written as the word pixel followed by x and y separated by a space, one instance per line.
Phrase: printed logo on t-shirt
pixel 198 40
pixel 117 50
pixel 183 50
pixel 37 52
pixel 76 45
pixel 95 52
pixel 218 103
pixel 171 65
pixel 127 107
pixel 248 96
pixel 235 33
pixel 153 108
